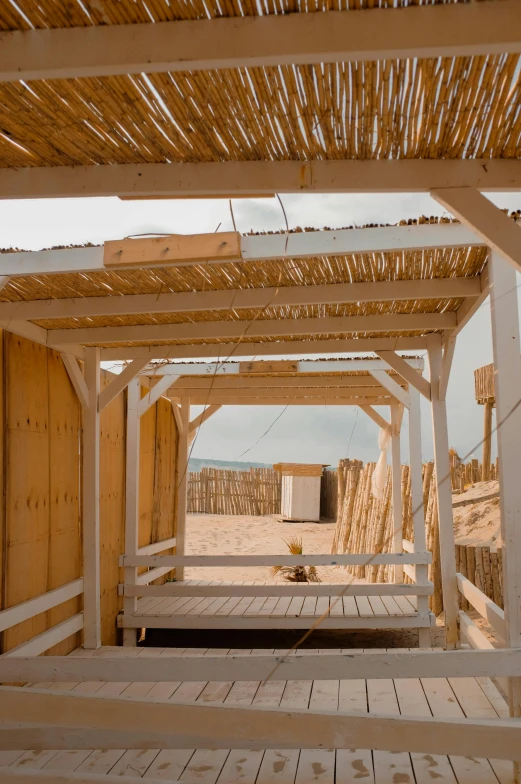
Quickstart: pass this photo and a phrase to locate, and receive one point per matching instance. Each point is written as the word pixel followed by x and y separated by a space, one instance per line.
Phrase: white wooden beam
pixel 260 41
pixel 260 328
pixel 472 304
pixel 343 559
pixel 76 376
pixel 375 416
pixel 247 178
pixel 356 664
pixel 207 588
pixel 152 549
pixel 215 370
pixel 287 296
pixel 440 440
pixel 91 500
pixel 216 726
pixel 449 346
pixel 269 400
pixel 488 609
pixel 42 642
pixel 177 416
pixel 22 612
pixel 352 385
pixel 396 480
pixel 398 364
pixel 183 455
pixel 391 386
pixel 153 395
pixel 490 223
pixel 132 483
pixel 507 381
pixel 152 574
pixel 280 348
pixel 119 383
pixel 418 514
pixel 203 417
pixel 291 393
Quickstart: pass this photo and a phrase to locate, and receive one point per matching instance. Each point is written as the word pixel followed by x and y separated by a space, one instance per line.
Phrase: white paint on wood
pixel 263 349
pixel 182 486
pixel 401 366
pixel 203 417
pixel 300 499
pixel 449 345
pixel 120 382
pixel 212 588
pixel 154 394
pixel 440 440
pixel 76 376
pixel 396 479
pixel 359 559
pixel 375 416
pixel 152 574
pixel 391 386
pixel 42 642
pixel 25 610
pixel 272 327
pixel 132 461
pixel 257 247
pixel 216 726
pixel 91 514
pixel 259 41
pixel 307 665
pixel 156 547
pixel 247 178
pixel 507 381
pixel 493 614
pixel 488 222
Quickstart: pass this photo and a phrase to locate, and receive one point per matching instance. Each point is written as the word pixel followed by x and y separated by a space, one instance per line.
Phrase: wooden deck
pixel 453 697
pixel 229 608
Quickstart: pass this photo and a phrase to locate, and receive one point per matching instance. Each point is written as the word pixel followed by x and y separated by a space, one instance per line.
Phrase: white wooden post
pixel 91 535
pixel 418 516
pixel 444 494
pixel 507 379
pixel 131 501
pixel 182 473
pixel 396 477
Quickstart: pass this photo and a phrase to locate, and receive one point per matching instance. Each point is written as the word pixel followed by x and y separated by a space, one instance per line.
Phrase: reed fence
pixel 219 491
pixel 329 495
pixel 464 474
pixel 483 566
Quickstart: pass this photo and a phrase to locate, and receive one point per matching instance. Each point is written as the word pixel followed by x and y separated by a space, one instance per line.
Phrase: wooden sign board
pixel 300 469
pixel 173 249
pixel 280 366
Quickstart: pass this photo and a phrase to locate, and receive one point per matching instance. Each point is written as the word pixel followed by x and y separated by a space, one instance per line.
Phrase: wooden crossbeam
pixel 398 364
pixel 307 384
pixel 259 177
pixel 203 417
pixel 259 328
pixel 153 395
pixel 375 416
pixel 344 559
pixel 312 666
pixel 198 725
pixel 260 41
pixel 392 386
pixel 118 384
pixel 291 393
pixel 490 223
pixel 193 301
pixel 222 351
pixel 76 376
pixel 297 589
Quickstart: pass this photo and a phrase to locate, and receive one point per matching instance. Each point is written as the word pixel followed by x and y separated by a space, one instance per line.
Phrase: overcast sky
pixel 302 434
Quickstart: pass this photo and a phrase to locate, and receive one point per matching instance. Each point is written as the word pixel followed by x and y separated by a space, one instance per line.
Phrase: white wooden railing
pixel 29 609
pixel 161 564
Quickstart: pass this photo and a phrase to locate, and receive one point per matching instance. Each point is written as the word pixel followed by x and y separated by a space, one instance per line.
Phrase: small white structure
pixel 300 491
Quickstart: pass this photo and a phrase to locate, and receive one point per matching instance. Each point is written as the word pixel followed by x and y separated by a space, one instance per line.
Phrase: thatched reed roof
pixel 464 107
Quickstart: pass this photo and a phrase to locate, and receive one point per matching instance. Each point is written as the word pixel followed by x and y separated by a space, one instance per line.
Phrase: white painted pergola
pixel 456 173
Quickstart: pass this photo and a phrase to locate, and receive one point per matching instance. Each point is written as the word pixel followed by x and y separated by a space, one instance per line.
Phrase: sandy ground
pixel 476 515
pixel 243 535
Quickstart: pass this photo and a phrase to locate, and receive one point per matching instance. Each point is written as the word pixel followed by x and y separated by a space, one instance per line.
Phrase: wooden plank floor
pixel 453 697
pixel 271 612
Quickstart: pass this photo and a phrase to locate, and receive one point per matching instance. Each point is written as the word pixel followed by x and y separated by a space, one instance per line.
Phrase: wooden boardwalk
pixel 229 608
pixel 453 697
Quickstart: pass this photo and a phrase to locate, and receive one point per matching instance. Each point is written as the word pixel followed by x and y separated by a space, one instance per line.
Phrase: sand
pixel 476 515
pixel 244 535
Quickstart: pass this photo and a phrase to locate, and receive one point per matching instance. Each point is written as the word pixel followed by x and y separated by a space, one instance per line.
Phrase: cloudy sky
pixel 301 434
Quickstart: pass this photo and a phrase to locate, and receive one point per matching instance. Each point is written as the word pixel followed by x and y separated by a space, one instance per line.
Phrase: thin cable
pixel 264 434
pixel 352 433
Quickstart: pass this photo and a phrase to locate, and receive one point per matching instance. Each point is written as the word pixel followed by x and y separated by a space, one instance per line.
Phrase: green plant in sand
pixel 296 574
